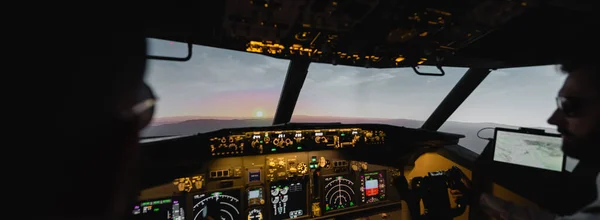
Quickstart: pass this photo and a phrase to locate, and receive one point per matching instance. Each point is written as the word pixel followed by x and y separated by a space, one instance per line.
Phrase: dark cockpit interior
pixel 358 171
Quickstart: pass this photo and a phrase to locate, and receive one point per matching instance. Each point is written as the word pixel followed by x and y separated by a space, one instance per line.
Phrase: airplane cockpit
pixel 325 169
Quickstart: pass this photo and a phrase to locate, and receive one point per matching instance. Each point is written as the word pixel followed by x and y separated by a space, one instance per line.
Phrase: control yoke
pixel 432 190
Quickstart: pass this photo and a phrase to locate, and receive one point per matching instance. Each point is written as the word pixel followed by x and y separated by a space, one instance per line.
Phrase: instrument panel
pixel 291 171
pixel 278 186
pixel 281 141
pixel 170 208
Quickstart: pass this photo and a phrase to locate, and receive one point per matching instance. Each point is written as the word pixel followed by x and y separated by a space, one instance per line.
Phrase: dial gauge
pixel 302 168
pixel 255 214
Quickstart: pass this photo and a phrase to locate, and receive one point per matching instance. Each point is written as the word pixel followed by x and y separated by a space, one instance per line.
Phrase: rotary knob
pixel 364 166
pixel 281 164
pixel 302 168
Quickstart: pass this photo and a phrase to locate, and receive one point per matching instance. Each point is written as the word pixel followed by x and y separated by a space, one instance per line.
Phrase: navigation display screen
pixel 531 150
pixel 338 192
pixel 169 208
pixel 224 205
pixel 288 199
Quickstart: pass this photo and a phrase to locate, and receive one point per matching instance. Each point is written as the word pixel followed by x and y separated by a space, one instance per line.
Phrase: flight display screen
pixel 338 192
pixel 372 187
pixel 531 150
pixel 223 205
pixel 255 196
pixel 288 199
pixel 169 208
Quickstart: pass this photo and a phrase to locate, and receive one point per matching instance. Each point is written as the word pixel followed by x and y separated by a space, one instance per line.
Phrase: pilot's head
pixel 578 113
pixel 103 103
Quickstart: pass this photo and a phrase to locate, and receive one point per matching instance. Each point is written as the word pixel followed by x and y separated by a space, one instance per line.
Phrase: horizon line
pixel 319 116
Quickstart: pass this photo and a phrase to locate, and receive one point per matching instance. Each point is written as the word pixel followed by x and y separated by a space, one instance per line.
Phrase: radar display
pixel 223 205
pixel 338 193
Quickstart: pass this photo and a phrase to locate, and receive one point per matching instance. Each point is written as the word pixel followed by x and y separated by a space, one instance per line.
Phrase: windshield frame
pixel 298 70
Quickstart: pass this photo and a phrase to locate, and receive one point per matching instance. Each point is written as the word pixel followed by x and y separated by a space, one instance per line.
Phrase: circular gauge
pixel 275 192
pixel 339 193
pixel 281 164
pixel 216 205
pixel 302 168
pixel 285 190
pixel 255 214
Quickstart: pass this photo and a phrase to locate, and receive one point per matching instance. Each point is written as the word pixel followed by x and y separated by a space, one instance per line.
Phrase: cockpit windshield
pixel 216 89
pixel 510 98
pixel 220 88
pixel 360 95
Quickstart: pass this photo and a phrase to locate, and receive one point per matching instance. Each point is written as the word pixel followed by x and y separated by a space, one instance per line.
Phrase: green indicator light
pixel 156 209
pixel 261 142
pixel 273 149
pixel 342 134
pixel 299 148
pixel 314 159
pixel 145 203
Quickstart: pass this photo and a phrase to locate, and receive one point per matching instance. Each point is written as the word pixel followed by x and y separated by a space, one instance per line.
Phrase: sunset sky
pixel 223 83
